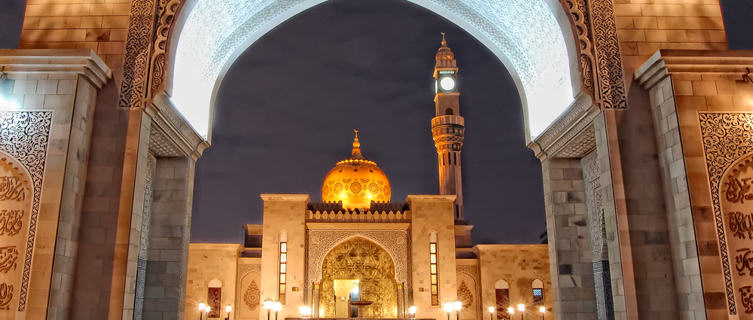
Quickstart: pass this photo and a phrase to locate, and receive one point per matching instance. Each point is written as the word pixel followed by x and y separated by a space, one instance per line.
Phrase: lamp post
pixel 448 307
pixel 201 310
pixel 277 306
pixel 207 309
pixel 542 310
pixel 412 311
pixel 228 308
pixel 522 309
pixel 510 312
pixel 268 306
pixel 491 313
pixel 457 305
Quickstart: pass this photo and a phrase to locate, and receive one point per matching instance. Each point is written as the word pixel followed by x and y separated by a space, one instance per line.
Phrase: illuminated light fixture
pixel 521 307
pixel 277 306
pixel 511 310
pixel 305 311
pixel 542 309
pixel 448 307
pixel 201 306
pixel 491 313
pixel 457 305
pixel 412 310
pixel 447 83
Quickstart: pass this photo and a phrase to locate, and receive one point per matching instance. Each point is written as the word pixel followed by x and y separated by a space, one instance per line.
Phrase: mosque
pixel 359 253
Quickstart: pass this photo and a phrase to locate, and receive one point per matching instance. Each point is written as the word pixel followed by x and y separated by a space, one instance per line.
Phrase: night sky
pixel 287 107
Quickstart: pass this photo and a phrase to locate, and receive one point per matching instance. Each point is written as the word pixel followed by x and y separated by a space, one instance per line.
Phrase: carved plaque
pixel 737 209
pixel 15 205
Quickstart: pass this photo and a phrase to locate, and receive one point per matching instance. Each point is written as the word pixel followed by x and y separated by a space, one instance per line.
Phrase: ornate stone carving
pixel 368 263
pixel 251 295
pixel 465 295
pixel 322 241
pixel 12 188
pixel 24 135
pixel 11 221
pixel 146 50
pixel 727 137
pixel 8 258
pixel 599 51
pixel 6 296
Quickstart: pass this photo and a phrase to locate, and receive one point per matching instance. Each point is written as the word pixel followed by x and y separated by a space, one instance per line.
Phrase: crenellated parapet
pixel 356 216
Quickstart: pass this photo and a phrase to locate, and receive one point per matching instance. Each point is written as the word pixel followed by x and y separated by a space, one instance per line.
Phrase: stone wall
pixel 519 265
pixel 208 261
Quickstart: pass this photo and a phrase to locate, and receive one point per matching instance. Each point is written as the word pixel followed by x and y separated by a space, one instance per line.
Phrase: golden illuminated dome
pixel 356 181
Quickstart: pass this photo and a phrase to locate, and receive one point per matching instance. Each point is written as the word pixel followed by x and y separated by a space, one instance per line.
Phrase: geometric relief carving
pixel 465 295
pixel 599 54
pixel 149 28
pixel 728 144
pixel 395 242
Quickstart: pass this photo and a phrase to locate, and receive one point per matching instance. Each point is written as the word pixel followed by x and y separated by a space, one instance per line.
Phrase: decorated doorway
pixel 358 276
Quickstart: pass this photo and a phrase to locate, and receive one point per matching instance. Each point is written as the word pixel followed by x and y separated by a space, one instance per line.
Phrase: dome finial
pixel 444 42
pixel 356 153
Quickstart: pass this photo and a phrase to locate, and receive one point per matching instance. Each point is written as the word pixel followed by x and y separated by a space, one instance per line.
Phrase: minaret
pixel 448 127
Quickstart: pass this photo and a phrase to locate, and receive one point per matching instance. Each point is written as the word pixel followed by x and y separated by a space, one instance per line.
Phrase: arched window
pixel 502 292
pixel 538 292
pixel 214 298
pixel 448 111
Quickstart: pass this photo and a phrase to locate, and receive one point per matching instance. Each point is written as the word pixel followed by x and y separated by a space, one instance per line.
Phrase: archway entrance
pixel 358 270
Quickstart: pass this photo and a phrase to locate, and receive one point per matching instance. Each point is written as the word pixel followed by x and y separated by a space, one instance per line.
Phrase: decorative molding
pixel 171 135
pixel 84 62
pixel 569 136
pixel 726 138
pixel 352 216
pixel 149 29
pixel 24 135
pixel 599 54
pixel 320 242
pixel 667 62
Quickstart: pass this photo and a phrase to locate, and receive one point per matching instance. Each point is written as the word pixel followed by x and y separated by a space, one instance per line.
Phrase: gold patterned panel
pixel 15 205
pixel 366 261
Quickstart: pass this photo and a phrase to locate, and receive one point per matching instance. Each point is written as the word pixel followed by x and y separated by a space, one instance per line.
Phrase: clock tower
pixel 448 127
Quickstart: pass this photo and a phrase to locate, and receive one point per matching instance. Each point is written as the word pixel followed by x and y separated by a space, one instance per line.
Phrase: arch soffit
pixel 336 244
pixel 542 60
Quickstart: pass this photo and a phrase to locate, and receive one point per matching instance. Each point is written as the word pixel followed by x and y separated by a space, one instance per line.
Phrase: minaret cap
pixel 445 57
pixel 356 153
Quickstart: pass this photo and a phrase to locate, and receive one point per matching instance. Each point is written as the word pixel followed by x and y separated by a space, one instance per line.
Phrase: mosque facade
pixel 358 253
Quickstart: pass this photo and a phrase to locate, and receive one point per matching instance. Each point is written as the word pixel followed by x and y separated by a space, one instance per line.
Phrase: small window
pixel 448 111
pixel 283 271
pixel 433 270
pixel 538 292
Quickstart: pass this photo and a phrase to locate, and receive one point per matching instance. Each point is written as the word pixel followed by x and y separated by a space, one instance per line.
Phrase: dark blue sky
pixel 287 108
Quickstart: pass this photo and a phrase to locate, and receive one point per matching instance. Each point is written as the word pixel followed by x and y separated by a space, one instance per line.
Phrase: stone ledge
pixel 284 197
pixel 170 126
pixel 556 139
pixel 666 62
pixel 56 61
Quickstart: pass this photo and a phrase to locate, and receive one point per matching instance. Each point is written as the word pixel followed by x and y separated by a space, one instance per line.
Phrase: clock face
pixel 447 83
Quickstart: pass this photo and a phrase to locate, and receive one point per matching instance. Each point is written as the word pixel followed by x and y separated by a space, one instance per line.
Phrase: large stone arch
pixel 192 48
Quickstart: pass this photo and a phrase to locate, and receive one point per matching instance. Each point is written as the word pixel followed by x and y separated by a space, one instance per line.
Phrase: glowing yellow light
pixel 412 310
pixel 491 309
pixel 521 307
pixel 448 307
pixel 228 308
pixel 542 309
pixel 511 310
pixel 201 306
pixel 343 195
pixel 305 311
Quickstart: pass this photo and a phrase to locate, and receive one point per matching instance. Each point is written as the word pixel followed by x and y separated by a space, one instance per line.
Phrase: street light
pixel 491 313
pixel 412 311
pixel 542 310
pixel 268 306
pixel 201 310
pixel 277 306
pixel 228 308
pixel 457 305
pixel 522 309
pixel 510 312
pixel 448 307
pixel 207 309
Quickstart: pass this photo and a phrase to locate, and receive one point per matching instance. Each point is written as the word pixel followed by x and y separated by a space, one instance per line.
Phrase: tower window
pixel 448 111
pixel 433 270
pixel 283 271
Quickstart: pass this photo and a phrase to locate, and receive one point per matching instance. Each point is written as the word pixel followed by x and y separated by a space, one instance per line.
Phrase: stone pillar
pixel 567 230
pixel 168 238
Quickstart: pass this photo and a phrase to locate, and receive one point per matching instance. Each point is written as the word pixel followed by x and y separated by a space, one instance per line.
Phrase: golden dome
pixel 356 181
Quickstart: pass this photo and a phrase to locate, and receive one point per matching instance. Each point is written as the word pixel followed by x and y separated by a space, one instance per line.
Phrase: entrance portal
pixel 358 270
